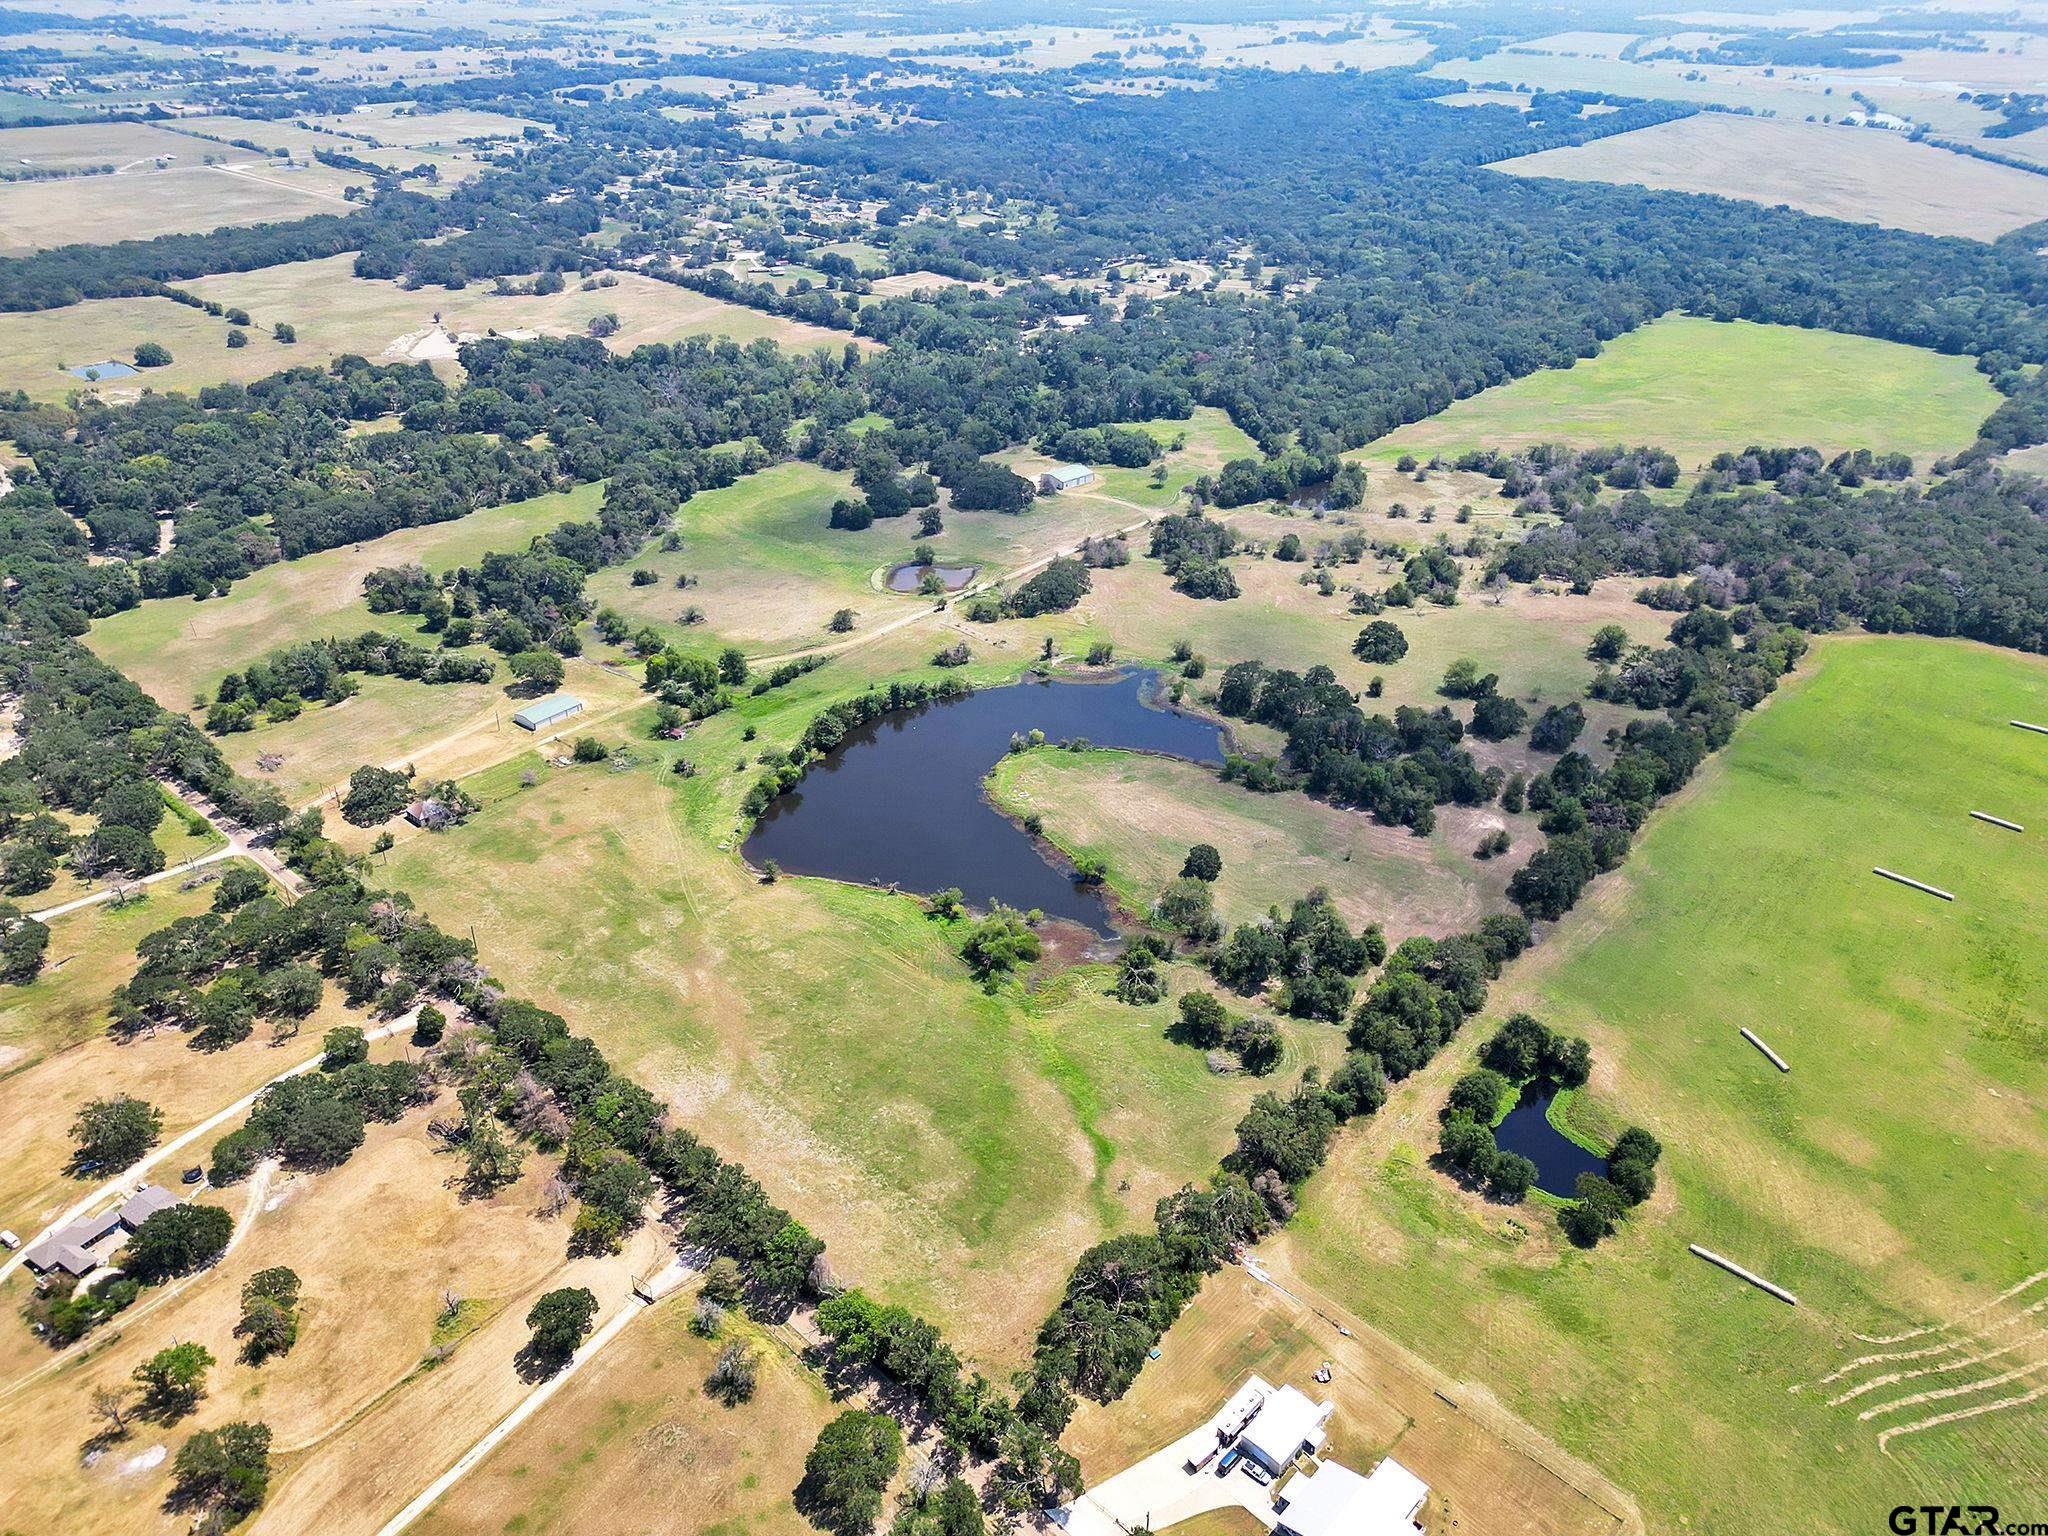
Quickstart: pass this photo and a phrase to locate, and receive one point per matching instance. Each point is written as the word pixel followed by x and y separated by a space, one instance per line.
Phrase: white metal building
pixel 1336 1501
pixel 1066 477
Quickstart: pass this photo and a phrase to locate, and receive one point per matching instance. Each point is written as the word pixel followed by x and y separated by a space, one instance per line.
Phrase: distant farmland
pixel 1698 387
pixel 1864 175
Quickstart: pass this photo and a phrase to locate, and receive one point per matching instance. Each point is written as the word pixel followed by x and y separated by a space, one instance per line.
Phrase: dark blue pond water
pixel 900 802
pixel 1559 1160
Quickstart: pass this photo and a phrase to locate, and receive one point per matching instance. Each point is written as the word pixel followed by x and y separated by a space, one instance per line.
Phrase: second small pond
pixel 1559 1160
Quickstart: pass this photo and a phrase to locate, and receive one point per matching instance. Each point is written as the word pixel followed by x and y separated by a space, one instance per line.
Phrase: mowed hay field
pixel 87 146
pixel 768 571
pixel 335 312
pixel 1139 814
pixel 665 1446
pixel 175 647
pixel 955 1148
pixel 183 199
pixel 1698 387
pixel 1860 174
pixel 1893 1180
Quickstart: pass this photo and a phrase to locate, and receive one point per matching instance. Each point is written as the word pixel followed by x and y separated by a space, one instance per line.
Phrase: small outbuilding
pixel 1065 477
pixel 1288 1423
pixel 1333 1500
pixel 542 713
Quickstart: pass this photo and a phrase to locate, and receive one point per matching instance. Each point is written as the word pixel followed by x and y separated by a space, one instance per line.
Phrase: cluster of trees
pixel 1428 988
pixel 282 683
pixel 1400 770
pixel 1309 952
pixel 1057 588
pixel 1244 481
pixel 1702 682
pixel 1125 447
pixel 1600 1203
pixel 318 1120
pixel 1967 556
pixel 1191 547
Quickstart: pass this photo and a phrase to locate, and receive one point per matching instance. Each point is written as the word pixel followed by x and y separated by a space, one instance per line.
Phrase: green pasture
pixel 1893 1180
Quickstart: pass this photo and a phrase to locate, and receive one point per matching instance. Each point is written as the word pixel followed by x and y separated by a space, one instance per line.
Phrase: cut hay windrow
pixel 1918 885
pixel 1997 821
pixel 1739 1272
pixel 1776 1060
pixel 2028 725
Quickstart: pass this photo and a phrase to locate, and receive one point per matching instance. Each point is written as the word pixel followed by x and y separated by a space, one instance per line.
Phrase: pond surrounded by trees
pixel 1527 1129
pixel 900 801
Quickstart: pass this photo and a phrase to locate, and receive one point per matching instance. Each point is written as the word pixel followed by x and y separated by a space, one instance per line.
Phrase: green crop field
pixel 955 1148
pixel 1893 1180
pixel 176 646
pixel 1698 387
pixel 1139 814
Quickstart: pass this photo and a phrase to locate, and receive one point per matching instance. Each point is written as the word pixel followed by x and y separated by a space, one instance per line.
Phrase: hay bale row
pixel 1776 1060
pixel 1737 1270
pixel 1918 885
pixel 1997 821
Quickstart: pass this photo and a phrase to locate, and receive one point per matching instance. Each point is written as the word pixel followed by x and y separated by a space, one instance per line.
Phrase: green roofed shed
pixel 542 713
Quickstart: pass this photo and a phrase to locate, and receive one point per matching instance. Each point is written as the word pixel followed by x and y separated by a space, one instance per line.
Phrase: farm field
pixel 38 347
pixel 1536 642
pixel 1139 814
pixel 641 1412
pixel 36 215
pixel 1842 173
pixel 1892 1180
pixel 177 647
pixel 83 146
pixel 1699 387
pixel 336 312
pixel 1784 93
pixel 955 1148
pixel 768 571
pixel 1212 440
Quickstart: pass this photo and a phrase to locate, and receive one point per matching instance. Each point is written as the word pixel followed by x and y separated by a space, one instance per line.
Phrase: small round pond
pixel 909 576
pixel 899 801
pixel 1559 1160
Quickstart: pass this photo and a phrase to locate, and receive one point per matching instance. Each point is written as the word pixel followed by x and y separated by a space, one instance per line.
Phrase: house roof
pixel 1289 1420
pixel 145 1203
pixel 1336 1501
pixel 69 1248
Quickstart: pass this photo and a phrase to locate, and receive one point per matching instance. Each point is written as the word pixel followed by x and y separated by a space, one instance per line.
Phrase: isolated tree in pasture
pixel 112 1133
pixel 173 1380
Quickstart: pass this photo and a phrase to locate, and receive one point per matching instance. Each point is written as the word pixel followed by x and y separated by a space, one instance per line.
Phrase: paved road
pixel 125 1181
pixel 661 1285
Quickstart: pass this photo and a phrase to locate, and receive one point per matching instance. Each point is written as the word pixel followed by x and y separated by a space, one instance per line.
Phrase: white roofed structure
pixel 1333 1500
pixel 1289 1422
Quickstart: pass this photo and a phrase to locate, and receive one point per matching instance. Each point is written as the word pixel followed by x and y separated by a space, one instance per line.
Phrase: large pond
pixel 1559 1160
pixel 900 801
